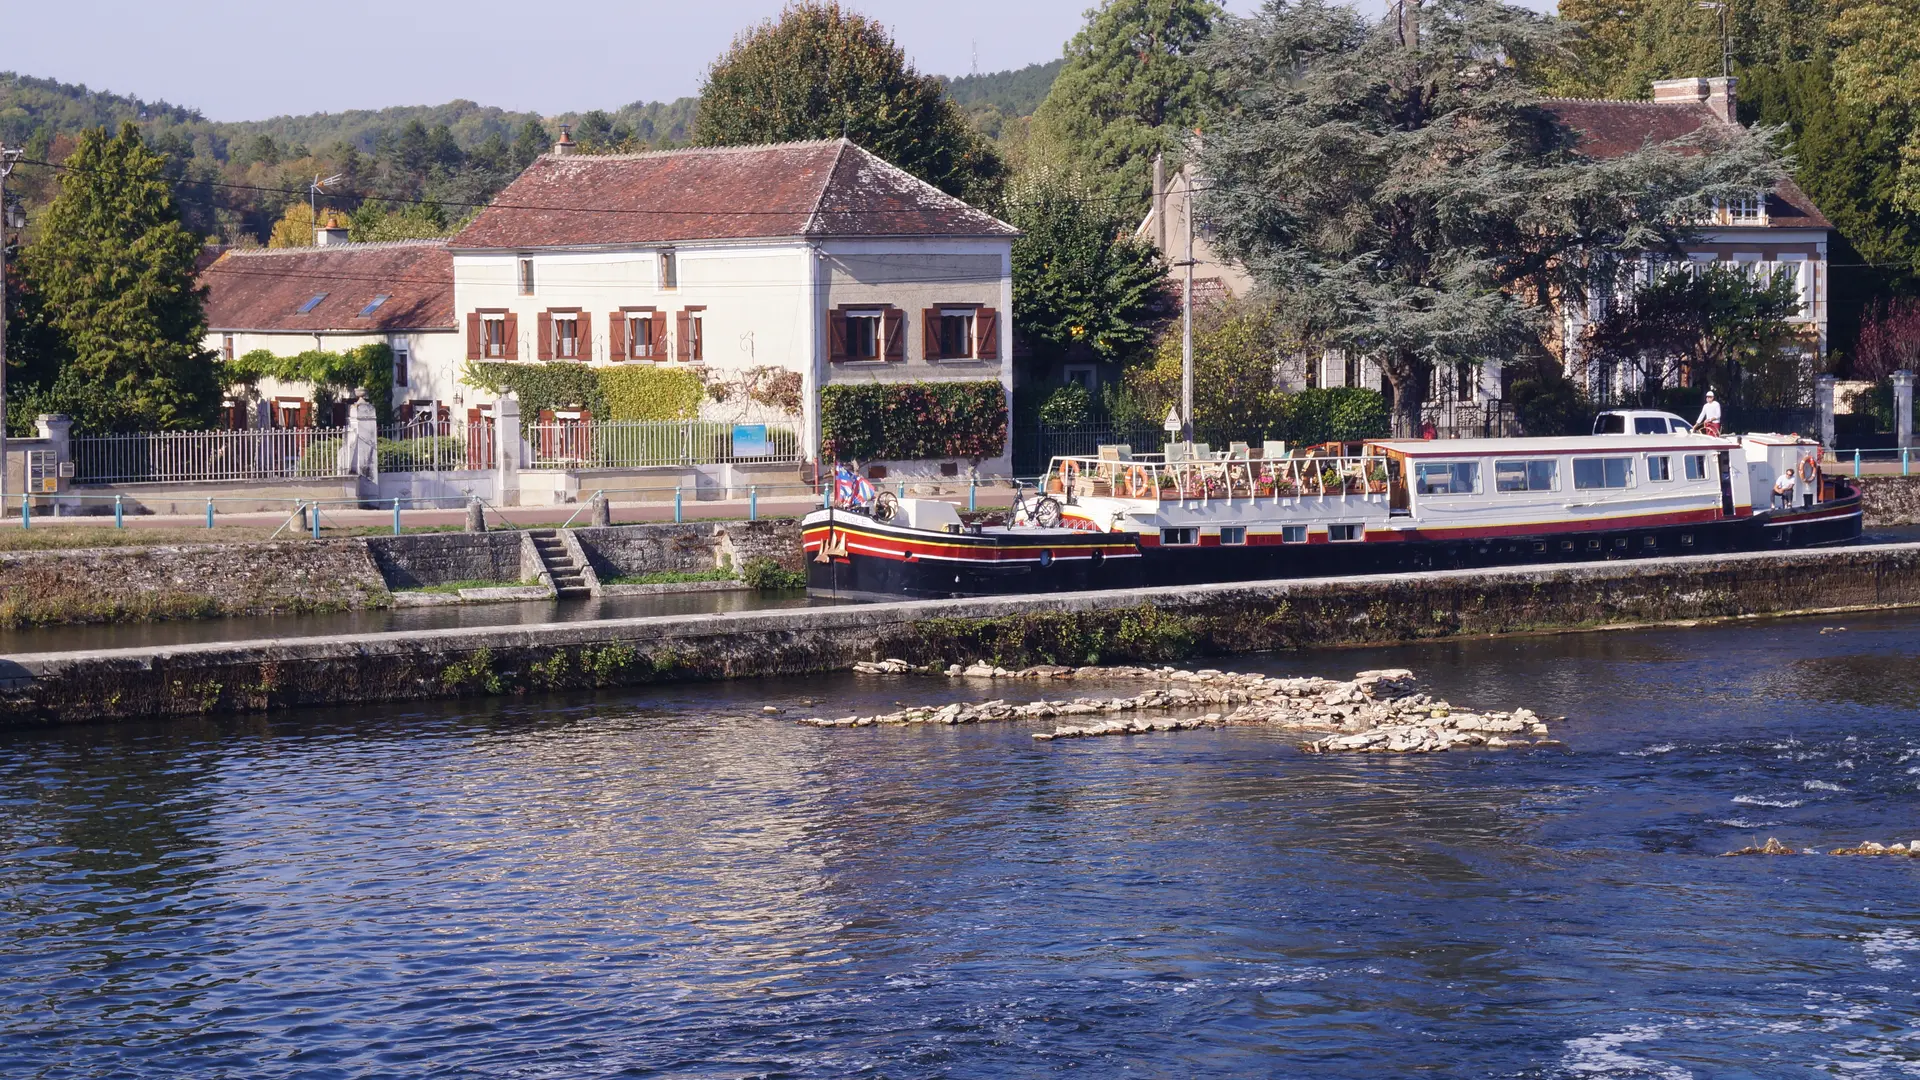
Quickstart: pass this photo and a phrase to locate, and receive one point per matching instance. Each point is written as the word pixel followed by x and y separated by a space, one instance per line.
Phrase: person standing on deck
pixel 1783 489
pixel 1709 421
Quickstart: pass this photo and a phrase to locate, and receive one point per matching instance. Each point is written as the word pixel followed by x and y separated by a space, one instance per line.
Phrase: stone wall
pixel 186 581
pixel 1109 627
pixel 620 550
pixel 1890 500
pixel 415 559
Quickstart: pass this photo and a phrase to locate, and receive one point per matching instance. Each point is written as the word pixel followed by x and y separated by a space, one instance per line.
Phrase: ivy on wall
pixel 612 393
pixel 911 421
pixel 334 376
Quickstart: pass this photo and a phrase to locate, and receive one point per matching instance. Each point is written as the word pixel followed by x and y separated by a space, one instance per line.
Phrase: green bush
pixel 333 375
pixel 769 576
pixel 1329 414
pixel 1550 405
pixel 910 421
pixel 610 393
pixel 1068 406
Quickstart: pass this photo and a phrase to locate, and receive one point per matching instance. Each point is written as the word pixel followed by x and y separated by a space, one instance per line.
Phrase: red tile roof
pixel 1613 128
pixel 831 188
pixel 264 288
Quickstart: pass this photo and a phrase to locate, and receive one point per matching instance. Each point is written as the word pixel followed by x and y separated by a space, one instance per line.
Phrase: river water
pixel 667 883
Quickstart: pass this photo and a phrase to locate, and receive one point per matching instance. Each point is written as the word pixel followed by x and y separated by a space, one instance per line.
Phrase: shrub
pixel 333 375
pixel 645 393
pixel 1068 406
pixel 1330 414
pixel 907 421
pixel 1550 405
pixel 540 386
pixel 769 576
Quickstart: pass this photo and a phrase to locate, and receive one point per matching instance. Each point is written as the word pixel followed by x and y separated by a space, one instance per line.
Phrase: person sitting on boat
pixel 1783 489
pixel 1709 421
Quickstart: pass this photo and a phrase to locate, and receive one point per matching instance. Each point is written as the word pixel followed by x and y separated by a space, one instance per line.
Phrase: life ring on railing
pixel 1808 469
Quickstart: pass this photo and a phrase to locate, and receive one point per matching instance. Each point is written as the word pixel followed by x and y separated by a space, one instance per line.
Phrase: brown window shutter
pixel 543 349
pixel 682 335
pixel 893 324
pixel 836 335
pixel 583 325
pixel 659 335
pixel 930 334
pixel 512 332
pixel 616 335
pixel 473 335
pixel 986 334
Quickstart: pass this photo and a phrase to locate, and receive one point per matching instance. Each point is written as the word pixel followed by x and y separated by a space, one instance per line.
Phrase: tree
pixel 376 220
pixel 295 227
pixel 114 272
pixel 1082 286
pixel 1878 65
pixel 1237 350
pixel 1714 323
pixel 1889 340
pixel 1130 89
pixel 823 73
pixel 1626 44
pixel 1407 182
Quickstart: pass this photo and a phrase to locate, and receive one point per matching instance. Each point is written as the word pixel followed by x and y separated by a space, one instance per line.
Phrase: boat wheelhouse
pixel 1191 515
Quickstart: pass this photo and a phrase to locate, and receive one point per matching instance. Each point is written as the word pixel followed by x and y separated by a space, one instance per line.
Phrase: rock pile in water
pixel 1374 712
pixel 1868 847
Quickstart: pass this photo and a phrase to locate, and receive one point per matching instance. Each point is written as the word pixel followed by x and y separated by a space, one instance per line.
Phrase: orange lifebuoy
pixel 1808 468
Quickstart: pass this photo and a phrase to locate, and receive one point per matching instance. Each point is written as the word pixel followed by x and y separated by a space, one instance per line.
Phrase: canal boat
pixel 1190 515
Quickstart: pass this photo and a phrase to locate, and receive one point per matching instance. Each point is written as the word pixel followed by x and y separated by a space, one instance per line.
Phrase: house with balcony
pixel 333 297
pixel 1774 233
pixel 807 264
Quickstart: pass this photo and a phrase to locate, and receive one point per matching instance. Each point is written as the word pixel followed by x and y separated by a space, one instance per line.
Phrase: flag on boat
pixel 850 490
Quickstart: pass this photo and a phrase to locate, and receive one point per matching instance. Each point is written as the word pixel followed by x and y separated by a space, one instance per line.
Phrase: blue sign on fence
pixel 750 440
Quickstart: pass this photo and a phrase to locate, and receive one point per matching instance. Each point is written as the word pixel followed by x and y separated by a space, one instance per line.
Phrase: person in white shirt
pixel 1709 421
pixel 1783 488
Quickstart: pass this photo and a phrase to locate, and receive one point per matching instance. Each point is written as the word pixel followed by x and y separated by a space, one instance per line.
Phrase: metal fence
pixel 1030 456
pixel 264 454
pixel 638 444
pixel 1471 419
pixel 436 446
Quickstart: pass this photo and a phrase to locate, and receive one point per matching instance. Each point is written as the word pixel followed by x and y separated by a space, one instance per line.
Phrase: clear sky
pixel 249 59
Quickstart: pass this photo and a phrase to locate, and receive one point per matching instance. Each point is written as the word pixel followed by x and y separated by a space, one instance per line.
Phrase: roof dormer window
pixel 1748 210
pixel 307 308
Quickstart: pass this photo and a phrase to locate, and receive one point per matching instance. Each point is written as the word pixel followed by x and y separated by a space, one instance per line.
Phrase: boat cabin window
pixel 1696 466
pixel 1293 534
pixel 1649 425
pixel 1602 472
pixel 1610 424
pixel 1179 536
pixel 1659 467
pixel 1538 474
pixel 1446 477
pixel 1341 534
pixel 1233 534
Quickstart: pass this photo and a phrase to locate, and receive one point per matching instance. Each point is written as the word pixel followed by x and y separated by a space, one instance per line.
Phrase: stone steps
pixel 569 578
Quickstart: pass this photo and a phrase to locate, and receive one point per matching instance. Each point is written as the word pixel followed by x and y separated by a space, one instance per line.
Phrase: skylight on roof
pixel 373 305
pixel 308 307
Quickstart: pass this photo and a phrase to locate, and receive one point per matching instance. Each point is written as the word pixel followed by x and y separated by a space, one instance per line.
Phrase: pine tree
pixel 1626 44
pixel 114 273
pixel 821 73
pixel 1130 89
pixel 1402 178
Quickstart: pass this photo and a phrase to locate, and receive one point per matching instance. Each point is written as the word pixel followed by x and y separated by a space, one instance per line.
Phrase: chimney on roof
pixel 565 145
pixel 1716 94
pixel 330 233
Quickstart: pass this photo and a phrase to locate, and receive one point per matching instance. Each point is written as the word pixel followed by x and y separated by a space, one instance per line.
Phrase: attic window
pixel 373 305
pixel 307 308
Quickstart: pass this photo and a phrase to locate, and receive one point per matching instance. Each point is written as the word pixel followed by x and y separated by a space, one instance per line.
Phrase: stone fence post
pixel 1823 401
pixel 1903 407
pixel 506 445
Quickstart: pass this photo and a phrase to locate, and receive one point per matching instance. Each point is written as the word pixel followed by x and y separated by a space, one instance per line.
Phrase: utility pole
pixel 1186 314
pixel 7 160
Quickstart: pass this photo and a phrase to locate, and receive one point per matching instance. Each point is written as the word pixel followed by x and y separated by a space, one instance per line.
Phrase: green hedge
pixel 1344 413
pixel 913 421
pixel 612 393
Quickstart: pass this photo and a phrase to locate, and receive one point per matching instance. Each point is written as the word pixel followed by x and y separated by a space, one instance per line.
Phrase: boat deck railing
pixel 1152 477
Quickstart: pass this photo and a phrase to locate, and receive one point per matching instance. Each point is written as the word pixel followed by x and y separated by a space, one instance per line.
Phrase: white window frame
pixel 1293 534
pixel 972 350
pixel 879 317
pixel 1662 472
pixel 523 275
pixel 1185 536
pixel 1603 458
pixel 1084 374
pixel 669 270
pixel 1687 467
pixel 1359 532
pixel 487 322
pixel 1233 535
pixel 1553 474
pixel 1473 464
pixel 573 317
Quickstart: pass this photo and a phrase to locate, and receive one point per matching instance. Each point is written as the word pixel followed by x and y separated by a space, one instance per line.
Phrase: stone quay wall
pixel 1890 500
pixel 186 581
pixel 1147 625
pixel 412 560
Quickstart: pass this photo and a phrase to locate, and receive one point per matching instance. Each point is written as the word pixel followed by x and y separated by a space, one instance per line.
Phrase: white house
pixel 814 258
pixel 332 297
